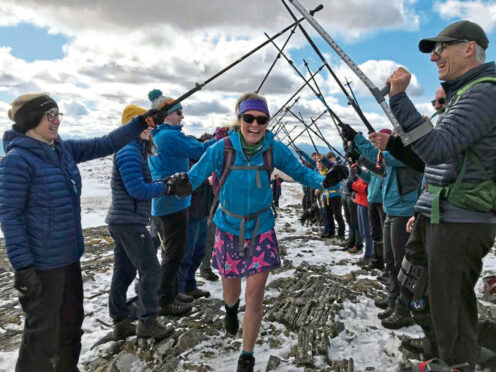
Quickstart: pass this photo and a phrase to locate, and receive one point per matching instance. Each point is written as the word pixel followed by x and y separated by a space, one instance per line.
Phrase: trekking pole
pixel 316 49
pixel 275 60
pixel 348 84
pixel 317 94
pixel 199 86
pixel 304 130
pixel 308 132
pixel 290 131
pixel 322 138
pixel 378 94
pixel 284 114
pixel 298 91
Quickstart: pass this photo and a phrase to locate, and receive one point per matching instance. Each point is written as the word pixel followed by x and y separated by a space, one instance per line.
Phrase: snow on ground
pixel 364 339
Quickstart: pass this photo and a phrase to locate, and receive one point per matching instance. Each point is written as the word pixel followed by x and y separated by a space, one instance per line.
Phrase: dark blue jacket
pixel 471 123
pixel 132 187
pixel 40 191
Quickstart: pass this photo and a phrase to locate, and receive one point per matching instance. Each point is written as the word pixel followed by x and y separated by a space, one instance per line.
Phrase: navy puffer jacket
pixel 40 190
pixel 471 123
pixel 132 187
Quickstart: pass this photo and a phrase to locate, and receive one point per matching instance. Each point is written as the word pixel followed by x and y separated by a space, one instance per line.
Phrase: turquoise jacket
pixel 394 204
pixel 375 186
pixel 174 149
pixel 240 194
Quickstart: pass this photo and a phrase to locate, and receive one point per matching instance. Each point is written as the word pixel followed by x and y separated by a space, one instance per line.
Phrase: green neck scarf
pixel 250 150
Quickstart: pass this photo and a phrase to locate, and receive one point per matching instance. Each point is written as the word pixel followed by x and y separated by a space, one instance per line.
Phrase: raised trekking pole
pixel 199 86
pixel 348 84
pixel 283 115
pixel 316 49
pixel 275 60
pixel 304 130
pixel 290 131
pixel 376 92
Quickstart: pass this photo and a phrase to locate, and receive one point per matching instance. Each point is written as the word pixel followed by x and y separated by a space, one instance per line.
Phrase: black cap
pixel 461 30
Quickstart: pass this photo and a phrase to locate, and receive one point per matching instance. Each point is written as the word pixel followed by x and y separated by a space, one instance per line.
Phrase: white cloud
pixel 480 12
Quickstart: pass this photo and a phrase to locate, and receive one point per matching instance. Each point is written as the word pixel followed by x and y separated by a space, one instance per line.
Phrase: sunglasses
pixel 179 112
pixel 249 118
pixel 51 116
pixel 440 45
pixel 441 101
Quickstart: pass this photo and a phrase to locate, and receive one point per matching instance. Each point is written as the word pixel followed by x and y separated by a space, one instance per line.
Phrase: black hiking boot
pixel 209 275
pixel 197 293
pixel 176 307
pixel 414 345
pixel 151 328
pixel 123 329
pixel 246 363
pixel 388 312
pixel 231 322
pixel 183 297
pixel 397 321
pixel 382 303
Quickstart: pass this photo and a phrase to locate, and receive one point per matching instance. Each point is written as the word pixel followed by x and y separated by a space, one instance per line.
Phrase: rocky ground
pixel 316 317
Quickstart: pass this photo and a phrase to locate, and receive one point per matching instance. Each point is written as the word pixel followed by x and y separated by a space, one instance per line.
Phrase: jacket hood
pixel 13 139
pixel 486 69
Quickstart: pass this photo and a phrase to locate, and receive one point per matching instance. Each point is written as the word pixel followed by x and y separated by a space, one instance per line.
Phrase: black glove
pixel 26 281
pixel 348 132
pixel 349 187
pixel 335 175
pixel 352 156
pixel 152 118
pixel 178 184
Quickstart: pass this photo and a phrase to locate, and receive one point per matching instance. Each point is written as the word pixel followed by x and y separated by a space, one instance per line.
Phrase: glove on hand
pixel 26 281
pixel 152 118
pixel 352 156
pixel 337 173
pixel 178 184
pixel 348 132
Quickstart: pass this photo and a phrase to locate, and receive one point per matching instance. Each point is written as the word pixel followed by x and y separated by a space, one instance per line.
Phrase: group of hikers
pixel 421 197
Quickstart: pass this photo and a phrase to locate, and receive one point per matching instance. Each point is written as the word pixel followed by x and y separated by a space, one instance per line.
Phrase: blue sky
pixel 94 58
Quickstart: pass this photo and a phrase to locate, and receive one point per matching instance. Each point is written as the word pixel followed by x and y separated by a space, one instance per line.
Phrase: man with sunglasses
pixel 454 228
pixel 174 150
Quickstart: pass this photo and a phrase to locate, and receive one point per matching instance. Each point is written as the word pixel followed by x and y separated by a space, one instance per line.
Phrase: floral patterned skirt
pixel 226 258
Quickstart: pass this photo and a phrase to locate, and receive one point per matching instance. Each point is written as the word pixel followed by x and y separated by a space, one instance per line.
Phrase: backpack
pixel 227 166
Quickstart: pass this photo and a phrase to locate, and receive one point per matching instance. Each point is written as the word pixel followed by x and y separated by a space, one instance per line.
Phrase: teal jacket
pixel 396 203
pixel 375 186
pixel 240 194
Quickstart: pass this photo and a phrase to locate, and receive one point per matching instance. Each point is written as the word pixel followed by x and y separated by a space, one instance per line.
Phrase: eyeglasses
pixel 51 116
pixel 179 113
pixel 440 45
pixel 441 101
pixel 249 118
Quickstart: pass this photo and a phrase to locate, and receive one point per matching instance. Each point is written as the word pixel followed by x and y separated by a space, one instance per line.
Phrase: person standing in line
pixel 40 215
pixel 276 189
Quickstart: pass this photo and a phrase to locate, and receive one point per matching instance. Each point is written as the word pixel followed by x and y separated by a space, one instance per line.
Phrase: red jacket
pixel 360 188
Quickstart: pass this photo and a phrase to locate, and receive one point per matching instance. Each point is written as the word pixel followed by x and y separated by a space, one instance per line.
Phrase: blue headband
pixel 253 104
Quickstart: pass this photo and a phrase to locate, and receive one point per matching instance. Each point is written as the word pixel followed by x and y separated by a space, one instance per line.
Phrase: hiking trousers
pixel 52 331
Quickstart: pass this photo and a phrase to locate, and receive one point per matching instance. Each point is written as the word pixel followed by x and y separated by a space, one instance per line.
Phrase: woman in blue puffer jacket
pixel 245 240
pixel 40 214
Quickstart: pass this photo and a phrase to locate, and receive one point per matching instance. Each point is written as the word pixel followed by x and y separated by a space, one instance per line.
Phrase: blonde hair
pixel 251 95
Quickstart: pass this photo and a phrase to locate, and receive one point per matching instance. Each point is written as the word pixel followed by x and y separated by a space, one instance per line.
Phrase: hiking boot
pixel 325 235
pixel 152 328
pixel 197 293
pixel 231 322
pixel 175 308
pixel 354 250
pixel 246 363
pixel 123 329
pixel 183 297
pixel 388 312
pixel 382 303
pixel 414 345
pixel 397 321
pixel 208 274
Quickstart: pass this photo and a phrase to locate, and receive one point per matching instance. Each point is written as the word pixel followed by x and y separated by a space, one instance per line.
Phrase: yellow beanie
pixel 130 112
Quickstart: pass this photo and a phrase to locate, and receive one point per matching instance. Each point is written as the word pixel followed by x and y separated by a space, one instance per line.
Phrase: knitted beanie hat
pixel 130 111
pixel 27 110
pixel 159 100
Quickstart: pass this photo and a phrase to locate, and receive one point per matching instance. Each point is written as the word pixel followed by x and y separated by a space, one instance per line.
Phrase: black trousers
pixel 52 332
pixel 174 228
pixel 454 258
pixel 376 223
pixel 332 209
pixel 351 216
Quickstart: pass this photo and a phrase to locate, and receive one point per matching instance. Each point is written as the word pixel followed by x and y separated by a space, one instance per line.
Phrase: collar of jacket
pixel 236 140
pixel 166 126
pixel 12 138
pixel 451 87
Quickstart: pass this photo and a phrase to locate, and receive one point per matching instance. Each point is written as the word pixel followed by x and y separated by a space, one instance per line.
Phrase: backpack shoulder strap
pixel 459 92
pixel 229 156
pixel 268 157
